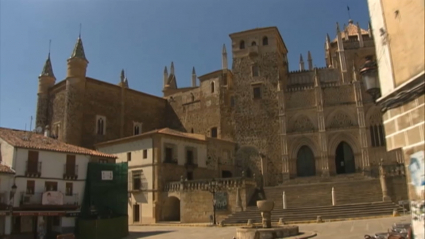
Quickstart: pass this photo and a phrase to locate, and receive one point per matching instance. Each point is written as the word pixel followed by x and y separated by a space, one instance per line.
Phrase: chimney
pixel 47 131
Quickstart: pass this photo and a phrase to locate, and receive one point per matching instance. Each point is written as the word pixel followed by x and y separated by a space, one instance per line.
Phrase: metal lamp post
pixel 370 78
pixel 213 187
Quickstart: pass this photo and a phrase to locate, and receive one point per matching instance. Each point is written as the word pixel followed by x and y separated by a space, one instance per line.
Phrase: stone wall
pixel 56 111
pixel 256 121
pixel 121 107
pixel 196 202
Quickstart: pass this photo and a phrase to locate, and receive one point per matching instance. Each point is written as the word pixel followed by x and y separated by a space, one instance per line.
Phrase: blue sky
pixel 144 36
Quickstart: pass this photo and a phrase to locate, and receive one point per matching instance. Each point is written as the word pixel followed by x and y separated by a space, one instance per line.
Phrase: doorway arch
pixel 306 166
pixel 344 159
pixel 171 209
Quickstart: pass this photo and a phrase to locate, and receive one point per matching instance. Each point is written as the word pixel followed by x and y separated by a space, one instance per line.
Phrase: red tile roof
pixel 6 169
pixel 31 140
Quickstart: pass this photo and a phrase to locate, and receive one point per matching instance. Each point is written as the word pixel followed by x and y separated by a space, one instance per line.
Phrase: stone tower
pixel 45 81
pixel 259 69
pixel 75 94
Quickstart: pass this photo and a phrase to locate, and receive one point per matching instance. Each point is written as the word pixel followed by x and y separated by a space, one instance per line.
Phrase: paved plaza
pixel 355 229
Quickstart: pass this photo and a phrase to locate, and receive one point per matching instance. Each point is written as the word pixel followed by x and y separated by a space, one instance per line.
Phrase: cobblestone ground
pixel 355 229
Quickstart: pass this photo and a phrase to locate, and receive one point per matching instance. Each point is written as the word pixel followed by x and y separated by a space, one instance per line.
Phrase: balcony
pixel 33 169
pixel 70 172
pixel 34 200
pixel 190 164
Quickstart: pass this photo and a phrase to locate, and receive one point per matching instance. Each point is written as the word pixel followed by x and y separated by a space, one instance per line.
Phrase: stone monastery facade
pixel 286 124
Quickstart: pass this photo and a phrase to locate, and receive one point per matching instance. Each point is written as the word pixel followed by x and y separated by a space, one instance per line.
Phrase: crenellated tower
pixel 75 94
pixel 46 80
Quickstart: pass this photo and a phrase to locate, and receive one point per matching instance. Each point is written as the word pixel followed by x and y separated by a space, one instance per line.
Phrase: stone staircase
pixel 311 213
pixel 306 198
pixel 316 191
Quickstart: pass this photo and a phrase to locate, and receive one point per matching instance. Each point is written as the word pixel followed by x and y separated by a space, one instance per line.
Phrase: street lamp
pixel 213 187
pixel 369 73
pixel 12 196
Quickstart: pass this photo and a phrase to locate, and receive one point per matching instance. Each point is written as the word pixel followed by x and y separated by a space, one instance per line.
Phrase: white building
pixel 49 180
pixel 160 156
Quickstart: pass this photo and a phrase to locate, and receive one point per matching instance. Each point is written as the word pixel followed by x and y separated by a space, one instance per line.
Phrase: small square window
pixel 145 153
pixel 257 92
pixel 128 156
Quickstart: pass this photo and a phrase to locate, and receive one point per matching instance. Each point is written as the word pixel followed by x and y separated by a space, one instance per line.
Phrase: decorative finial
pixel 337 28
pixel 50 43
pixel 172 68
pixel 79 34
pixel 224 49
pixel 301 58
pixel 308 55
pixel 193 71
pixel 122 75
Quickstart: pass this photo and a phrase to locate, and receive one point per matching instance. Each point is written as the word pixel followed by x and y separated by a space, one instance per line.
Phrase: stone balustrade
pixel 204 184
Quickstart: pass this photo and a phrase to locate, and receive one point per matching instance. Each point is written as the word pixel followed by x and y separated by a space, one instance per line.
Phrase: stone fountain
pixel 266 231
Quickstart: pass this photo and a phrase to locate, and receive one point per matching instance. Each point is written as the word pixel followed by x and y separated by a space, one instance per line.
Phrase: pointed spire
pixel 172 68
pixel 193 77
pixel 359 35
pixel 301 63
pixel 47 68
pixel 337 28
pixel 328 41
pixel 310 61
pixel 165 78
pixel 224 58
pixel 126 82
pixel 78 51
pixel 370 30
pixel 122 75
pixel 316 77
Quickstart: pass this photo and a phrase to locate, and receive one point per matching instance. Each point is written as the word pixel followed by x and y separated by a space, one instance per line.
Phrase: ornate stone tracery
pixel 340 120
pixel 302 124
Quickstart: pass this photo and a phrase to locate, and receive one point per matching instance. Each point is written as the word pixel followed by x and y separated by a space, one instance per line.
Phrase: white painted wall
pixel 381 48
pixel 52 169
pixel 181 144
pixel 137 163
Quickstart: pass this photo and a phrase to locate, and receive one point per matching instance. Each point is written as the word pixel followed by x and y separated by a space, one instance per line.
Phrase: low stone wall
pixel 196 202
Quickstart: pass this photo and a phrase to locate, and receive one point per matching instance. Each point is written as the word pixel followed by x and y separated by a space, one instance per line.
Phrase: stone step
pixel 307 214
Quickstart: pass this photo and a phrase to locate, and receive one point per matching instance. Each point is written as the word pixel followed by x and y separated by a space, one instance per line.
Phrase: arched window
pixel 212 87
pixel 253 43
pixel 191 130
pixel 242 45
pixel 136 130
pixel 100 125
pixel 265 41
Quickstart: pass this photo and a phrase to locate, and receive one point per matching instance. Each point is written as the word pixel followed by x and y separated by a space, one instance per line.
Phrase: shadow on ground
pixel 134 235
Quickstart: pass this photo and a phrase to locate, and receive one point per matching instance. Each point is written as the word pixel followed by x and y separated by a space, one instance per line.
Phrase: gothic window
pixel 212 87
pixel 137 128
pixel 377 135
pixel 100 125
pixel 214 132
pixel 254 70
pixel 257 92
pixel 242 45
pixel 265 41
pixel 253 43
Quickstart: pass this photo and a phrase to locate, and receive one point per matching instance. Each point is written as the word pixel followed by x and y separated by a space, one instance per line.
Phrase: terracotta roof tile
pixel 31 140
pixel 6 169
pixel 182 134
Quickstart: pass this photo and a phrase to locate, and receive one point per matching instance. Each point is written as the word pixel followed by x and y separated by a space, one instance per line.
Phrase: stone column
pixel 283 137
pixel 382 178
pixel 362 124
pixel 324 160
pixel 238 200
